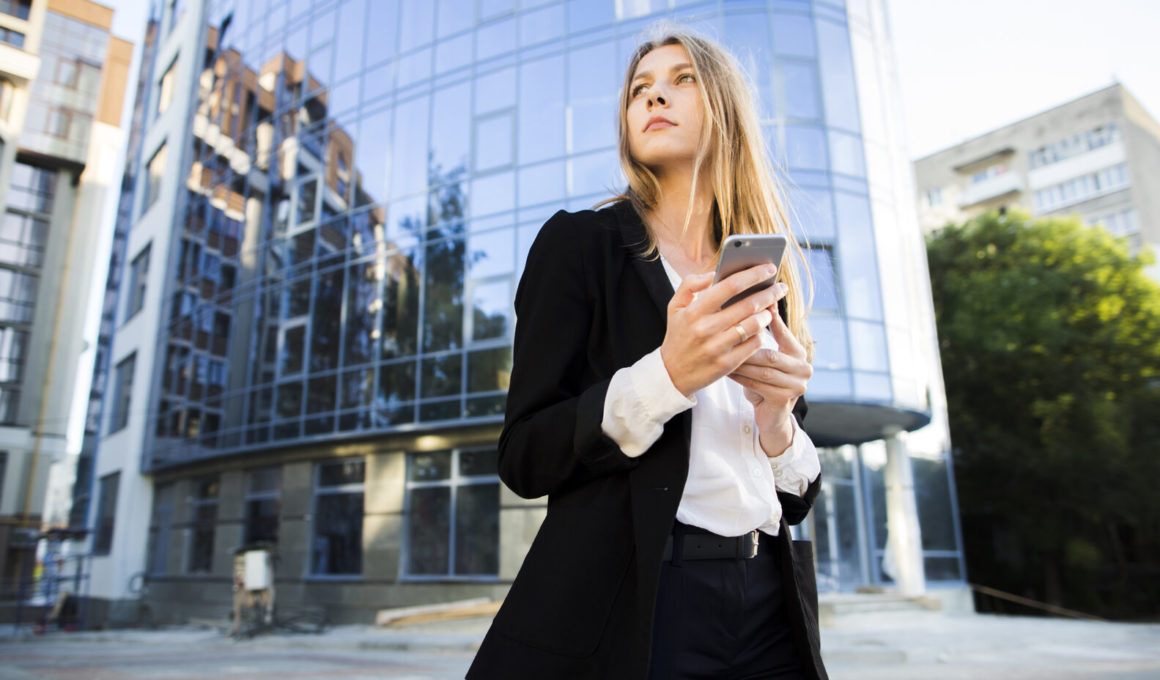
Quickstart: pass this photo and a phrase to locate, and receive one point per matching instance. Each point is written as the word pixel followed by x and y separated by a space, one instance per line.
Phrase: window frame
pixel 122 393
pixel 197 501
pixel 249 494
pixel 138 280
pixel 454 482
pixel 106 511
pixel 318 490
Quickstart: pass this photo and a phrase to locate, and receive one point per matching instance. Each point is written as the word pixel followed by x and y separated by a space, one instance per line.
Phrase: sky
pixel 969 66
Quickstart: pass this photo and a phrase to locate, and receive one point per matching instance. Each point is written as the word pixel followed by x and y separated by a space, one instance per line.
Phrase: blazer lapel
pixel 651 271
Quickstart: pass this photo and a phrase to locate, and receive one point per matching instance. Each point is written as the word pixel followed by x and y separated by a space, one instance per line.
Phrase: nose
pixel 657 98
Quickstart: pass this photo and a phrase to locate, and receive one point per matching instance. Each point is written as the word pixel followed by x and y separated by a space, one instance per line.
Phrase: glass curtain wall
pixel 366 177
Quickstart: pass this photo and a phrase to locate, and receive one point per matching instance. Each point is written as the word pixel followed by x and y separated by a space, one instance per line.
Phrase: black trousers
pixel 722 619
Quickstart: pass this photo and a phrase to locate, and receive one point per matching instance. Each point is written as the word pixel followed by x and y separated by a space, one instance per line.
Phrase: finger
pixel 767 391
pixel 764 300
pixel 732 285
pixel 768 376
pixel 690 286
pixel 786 340
pixel 749 328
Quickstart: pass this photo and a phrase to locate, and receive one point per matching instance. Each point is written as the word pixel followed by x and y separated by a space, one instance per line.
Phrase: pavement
pixel 863 646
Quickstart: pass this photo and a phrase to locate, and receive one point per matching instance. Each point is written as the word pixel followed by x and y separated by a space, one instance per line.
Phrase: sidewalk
pixel 894 645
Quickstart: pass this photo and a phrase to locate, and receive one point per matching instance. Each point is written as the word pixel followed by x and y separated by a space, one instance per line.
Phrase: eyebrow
pixel 648 74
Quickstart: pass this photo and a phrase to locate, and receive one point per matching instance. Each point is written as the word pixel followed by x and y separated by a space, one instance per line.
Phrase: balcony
pixel 991 188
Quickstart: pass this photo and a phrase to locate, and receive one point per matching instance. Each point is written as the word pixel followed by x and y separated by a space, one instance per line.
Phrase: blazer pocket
pixel 561 600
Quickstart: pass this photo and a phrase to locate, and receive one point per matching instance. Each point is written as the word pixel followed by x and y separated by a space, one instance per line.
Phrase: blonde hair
pixel 747 197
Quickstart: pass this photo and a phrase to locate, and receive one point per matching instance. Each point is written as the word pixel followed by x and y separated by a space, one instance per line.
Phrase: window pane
pixel 262 520
pixel 489 370
pixel 442 376
pixel 430 466
pixel 480 462
pixel 477 529
pixel 106 513
pixel 429 529
pixel 338 473
pixel 268 480
pixel 338 523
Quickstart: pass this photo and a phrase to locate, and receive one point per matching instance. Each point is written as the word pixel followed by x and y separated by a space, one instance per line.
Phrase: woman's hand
pixel 704 342
pixel 773 381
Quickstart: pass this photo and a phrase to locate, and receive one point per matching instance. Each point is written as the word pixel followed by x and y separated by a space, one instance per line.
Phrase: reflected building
pixel 338 198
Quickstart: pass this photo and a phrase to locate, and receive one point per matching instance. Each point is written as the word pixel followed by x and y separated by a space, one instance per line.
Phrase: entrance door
pixel 835 523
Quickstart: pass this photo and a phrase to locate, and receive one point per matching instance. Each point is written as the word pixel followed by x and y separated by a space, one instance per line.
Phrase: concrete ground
pixel 894 645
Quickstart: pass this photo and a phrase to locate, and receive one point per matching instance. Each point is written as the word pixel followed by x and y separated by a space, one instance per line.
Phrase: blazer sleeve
pixel 794 508
pixel 552 436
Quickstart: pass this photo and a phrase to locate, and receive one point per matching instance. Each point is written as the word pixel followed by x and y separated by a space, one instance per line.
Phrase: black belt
pixel 697 544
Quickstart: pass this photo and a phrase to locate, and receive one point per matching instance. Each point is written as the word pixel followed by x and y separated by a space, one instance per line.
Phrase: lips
pixel 658 122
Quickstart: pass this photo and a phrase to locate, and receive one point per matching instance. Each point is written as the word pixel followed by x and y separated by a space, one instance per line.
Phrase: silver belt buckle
pixel 751 548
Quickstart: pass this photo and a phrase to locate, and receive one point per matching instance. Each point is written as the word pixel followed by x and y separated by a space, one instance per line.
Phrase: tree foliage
pixel 1050 341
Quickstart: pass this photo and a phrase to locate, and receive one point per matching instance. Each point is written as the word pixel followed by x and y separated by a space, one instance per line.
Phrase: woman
pixel 663 428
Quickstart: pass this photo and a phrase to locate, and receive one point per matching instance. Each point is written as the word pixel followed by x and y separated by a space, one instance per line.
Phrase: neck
pixel 667 217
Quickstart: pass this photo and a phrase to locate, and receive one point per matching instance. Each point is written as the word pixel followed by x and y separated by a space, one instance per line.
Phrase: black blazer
pixel 582 603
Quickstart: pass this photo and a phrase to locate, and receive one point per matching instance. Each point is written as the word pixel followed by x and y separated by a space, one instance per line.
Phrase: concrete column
pixel 903 560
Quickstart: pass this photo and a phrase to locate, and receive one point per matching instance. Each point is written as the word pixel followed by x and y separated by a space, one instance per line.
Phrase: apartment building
pixel 62 83
pixel 1097 156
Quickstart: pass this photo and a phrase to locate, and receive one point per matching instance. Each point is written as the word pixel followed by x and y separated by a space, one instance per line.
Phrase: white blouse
pixel 732 485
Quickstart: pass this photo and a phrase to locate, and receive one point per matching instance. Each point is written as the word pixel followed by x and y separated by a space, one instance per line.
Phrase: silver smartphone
pixel 742 251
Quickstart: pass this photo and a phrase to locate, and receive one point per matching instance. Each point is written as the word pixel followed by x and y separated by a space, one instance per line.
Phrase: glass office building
pixel 333 204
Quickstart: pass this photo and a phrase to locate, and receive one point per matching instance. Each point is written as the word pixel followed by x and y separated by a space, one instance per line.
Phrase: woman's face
pixel 665 112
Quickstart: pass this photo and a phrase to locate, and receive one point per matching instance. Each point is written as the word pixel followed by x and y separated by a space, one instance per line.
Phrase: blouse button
pixel 747 429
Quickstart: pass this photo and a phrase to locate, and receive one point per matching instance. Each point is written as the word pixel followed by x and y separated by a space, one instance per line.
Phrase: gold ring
pixel 741 332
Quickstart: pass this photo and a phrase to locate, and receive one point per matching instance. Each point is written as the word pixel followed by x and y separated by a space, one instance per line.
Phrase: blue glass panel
pixel 871 387
pixel 592 90
pixel 493 194
pixel 491 309
pixel 442 376
pixel 542 183
pixel 496 90
pixel 585 14
pixel 378 82
pixel 747 35
pixel 857 261
pixel 453 53
pixel 542 25
pixel 491 253
pixel 838 85
pixel 396 383
pixel 416 24
pixel 793 35
pixel 846 154
pixel 362 301
pixel 409 151
pixel 494 146
pixel 372 155
pixel 868 346
pixel 322 27
pixel 443 272
pixel 805 147
pixel 495 38
pixel 414 67
pixel 383 20
pixel 452 120
pixel 831 351
pixel 821 265
pixel 799 82
pixel 815 213
pixel 833 384
pixel 493 8
pixel 352 26
pixel 455 16
pixel 343 98
pixel 593 173
pixel 541 119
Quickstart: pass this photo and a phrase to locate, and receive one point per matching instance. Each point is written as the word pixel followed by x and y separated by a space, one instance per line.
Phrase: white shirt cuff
pixel 641 398
pixel 799 465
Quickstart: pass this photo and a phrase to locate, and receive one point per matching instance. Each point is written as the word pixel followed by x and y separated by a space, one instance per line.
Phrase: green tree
pixel 1050 340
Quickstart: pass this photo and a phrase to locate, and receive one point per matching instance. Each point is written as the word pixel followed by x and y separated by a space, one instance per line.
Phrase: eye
pixel 638 89
pixel 681 78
